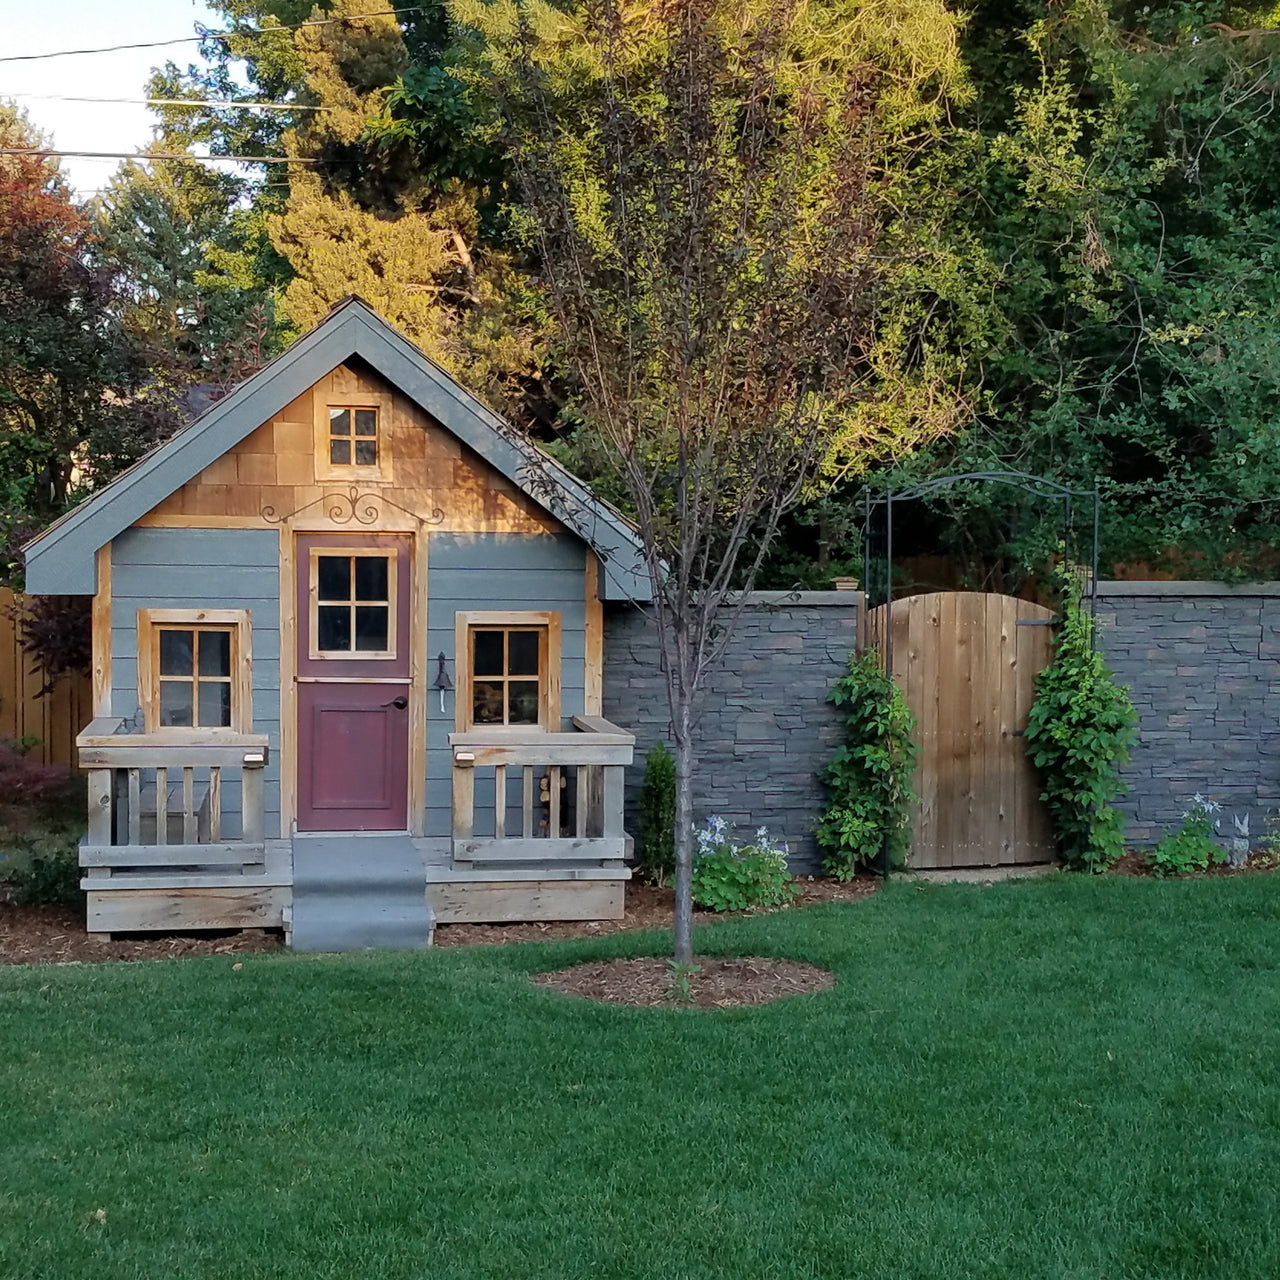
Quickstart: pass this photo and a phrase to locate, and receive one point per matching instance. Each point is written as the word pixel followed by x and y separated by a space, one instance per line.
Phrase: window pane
pixel 486 702
pixel 340 453
pixel 175 702
pixel 366 453
pixel 487 660
pixel 371 578
pixel 333 627
pixel 339 422
pixel 523 702
pixel 176 653
pixel 522 653
pixel 215 703
pixel 366 422
pixel 215 653
pixel 333 577
pixel 371 627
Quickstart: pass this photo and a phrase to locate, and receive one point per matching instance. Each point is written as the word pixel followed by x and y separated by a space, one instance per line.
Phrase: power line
pixel 149 155
pixel 208 35
pixel 168 102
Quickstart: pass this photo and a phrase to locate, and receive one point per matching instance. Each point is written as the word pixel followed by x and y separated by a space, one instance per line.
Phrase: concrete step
pixel 354 893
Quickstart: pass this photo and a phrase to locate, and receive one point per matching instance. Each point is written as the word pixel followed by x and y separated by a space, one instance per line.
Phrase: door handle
pixel 399 703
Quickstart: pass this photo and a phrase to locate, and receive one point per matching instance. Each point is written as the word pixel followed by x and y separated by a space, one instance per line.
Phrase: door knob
pixel 399 703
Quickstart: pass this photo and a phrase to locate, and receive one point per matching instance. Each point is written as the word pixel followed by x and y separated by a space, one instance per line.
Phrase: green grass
pixel 1045 1079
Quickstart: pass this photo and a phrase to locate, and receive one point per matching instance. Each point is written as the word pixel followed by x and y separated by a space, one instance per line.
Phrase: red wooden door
pixel 353 631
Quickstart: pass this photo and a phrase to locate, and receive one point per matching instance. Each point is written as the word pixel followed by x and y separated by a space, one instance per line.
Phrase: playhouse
pixel 348 662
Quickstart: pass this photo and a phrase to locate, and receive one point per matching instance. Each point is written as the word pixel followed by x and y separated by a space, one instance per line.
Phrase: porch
pixel 180 838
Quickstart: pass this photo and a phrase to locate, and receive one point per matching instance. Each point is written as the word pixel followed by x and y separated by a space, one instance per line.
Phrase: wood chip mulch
pixel 718 984
pixel 647 907
pixel 56 935
pixel 1134 863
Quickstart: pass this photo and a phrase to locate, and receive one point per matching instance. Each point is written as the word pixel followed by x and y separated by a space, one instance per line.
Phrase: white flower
pixel 762 833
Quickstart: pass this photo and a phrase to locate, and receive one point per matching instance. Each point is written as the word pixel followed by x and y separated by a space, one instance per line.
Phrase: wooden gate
pixel 966 663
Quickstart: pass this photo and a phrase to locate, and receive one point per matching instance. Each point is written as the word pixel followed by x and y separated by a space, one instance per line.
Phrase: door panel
pixel 353 629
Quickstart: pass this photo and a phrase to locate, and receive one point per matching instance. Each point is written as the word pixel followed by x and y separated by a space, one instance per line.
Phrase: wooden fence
pixel 54 719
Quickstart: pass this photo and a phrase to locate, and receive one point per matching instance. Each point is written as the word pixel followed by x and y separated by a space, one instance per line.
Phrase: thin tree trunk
pixel 683 926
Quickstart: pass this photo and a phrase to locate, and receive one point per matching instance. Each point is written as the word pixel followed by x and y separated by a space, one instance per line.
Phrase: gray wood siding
pixel 203 569
pixel 497 571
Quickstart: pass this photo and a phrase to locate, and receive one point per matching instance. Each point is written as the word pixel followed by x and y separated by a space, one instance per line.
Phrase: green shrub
pixel 1192 847
pixel 729 877
pixel 656 838
pixel 868 781
pixel 1081 727
pixel 42 868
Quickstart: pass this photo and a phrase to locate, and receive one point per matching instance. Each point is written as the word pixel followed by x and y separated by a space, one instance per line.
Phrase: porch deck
pixel 176 832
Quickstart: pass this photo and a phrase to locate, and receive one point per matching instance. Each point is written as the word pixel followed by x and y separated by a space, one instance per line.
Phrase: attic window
pixel 353 436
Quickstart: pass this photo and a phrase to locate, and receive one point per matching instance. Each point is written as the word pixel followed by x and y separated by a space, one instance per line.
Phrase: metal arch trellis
pixel 1037 486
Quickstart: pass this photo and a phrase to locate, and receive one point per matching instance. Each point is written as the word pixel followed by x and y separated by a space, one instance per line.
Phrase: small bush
pixel 1191 847
pixel 43 868
pixel 729 877
pixel 656 838
pixel 28 783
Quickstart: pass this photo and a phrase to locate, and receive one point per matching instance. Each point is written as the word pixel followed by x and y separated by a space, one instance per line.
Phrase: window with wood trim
pixel 194 671
pixel 510 665
pixel 353 436
pixel 353 606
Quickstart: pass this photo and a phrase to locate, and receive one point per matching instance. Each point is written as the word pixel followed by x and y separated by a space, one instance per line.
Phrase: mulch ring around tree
pixel 731 983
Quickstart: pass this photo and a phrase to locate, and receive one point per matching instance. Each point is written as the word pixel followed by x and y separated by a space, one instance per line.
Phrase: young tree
pixel 714 190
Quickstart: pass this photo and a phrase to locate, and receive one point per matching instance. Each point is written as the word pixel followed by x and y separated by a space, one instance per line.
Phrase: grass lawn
pixel 1063 1077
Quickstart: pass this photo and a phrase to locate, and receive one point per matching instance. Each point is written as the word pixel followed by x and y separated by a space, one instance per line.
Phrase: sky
pixel 45 26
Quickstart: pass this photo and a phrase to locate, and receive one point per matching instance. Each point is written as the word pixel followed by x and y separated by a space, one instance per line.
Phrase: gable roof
pixel 62 560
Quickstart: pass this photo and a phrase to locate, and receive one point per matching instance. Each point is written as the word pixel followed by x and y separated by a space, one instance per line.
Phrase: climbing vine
pixel 1081 727
pixel 868 781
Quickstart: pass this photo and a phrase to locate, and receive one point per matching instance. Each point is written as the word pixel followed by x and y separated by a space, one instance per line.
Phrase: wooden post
pixel 135 806
pixel 499 801
pixel 464 799
pixel 612 801
pixel 162 805
pixel 100 782
pixel 188 805
pixel 251 803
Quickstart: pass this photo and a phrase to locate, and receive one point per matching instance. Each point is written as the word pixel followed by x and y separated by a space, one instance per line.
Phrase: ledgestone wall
pixel 1202 660
pixel 766 729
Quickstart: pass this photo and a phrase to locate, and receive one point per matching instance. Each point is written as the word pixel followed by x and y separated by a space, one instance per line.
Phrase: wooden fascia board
pixel 62 560
pixel 571 502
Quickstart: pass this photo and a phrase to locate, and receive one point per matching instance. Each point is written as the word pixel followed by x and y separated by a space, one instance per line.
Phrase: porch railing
pixel 157 801
pixel 521 796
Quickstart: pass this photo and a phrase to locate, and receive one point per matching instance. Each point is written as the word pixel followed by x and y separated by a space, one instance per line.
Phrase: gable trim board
pixel 62 560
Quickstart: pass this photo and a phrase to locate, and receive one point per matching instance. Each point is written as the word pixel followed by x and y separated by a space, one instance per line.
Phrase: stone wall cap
pixel 1197 588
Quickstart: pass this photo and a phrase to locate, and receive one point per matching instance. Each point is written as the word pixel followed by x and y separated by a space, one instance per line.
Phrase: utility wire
pixel 209 35
pixel 170 102
pixel 149 155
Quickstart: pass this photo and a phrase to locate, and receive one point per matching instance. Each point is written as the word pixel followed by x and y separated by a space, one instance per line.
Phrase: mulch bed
pixel 56 935
pixel 647 907
pixel 718 984
pixel 1134 863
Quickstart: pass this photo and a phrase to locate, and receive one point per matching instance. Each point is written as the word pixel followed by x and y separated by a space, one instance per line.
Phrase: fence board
pixel 967 670
pixel 54 719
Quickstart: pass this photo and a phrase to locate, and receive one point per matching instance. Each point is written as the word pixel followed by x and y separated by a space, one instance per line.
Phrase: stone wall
pixel 766 728
pixel 1202 660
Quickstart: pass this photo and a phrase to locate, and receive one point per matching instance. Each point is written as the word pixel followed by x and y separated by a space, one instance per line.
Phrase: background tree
pixel 715 195
pixel 1118 188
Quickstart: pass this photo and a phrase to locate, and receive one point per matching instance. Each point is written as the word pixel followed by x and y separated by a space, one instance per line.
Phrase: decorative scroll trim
pixel 352 507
